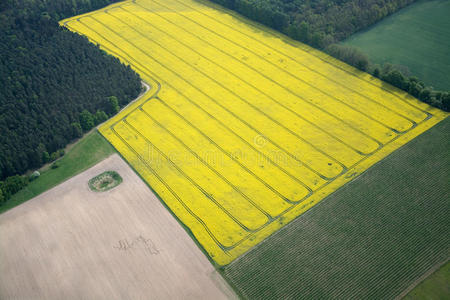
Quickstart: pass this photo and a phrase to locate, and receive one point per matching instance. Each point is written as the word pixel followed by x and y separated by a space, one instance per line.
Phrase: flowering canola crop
pixel 243 129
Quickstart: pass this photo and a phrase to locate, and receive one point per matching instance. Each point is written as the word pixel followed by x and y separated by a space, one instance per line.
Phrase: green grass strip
pixel 435 287
pixel 88 151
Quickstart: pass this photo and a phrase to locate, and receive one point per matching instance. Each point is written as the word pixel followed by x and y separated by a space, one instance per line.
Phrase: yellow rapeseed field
pixel 242 129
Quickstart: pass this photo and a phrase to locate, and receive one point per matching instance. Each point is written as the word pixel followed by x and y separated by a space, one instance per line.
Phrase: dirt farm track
pixel 72 243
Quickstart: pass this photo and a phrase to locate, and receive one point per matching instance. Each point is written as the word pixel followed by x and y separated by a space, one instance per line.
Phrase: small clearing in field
pixel 71 243
pixel 105 181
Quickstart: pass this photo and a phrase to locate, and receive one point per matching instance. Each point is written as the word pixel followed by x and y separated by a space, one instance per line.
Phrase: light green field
pixel 91 149
pixel 434 287
pixel 418 37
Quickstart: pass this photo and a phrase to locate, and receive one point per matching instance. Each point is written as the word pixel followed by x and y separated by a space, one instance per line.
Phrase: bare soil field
pixel 72 243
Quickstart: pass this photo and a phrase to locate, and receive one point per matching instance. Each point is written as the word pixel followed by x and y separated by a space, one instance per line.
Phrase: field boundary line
pixel 421 278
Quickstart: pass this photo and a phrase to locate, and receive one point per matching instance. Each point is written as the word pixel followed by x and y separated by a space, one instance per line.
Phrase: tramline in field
pixel 242 130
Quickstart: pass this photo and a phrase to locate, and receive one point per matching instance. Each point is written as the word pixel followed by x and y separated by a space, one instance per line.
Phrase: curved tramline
pixel 243 130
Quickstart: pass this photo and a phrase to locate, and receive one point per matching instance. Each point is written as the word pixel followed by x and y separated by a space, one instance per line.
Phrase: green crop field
pixel 371 239
pixel 88 151
pixel 418 37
